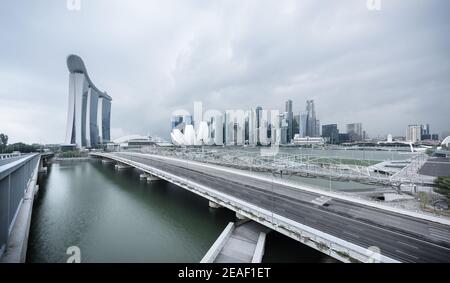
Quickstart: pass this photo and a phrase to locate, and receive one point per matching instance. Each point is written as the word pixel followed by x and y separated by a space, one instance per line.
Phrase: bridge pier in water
pixel 107 161
pixel 214 205
pixel 148 177
pixel 121 166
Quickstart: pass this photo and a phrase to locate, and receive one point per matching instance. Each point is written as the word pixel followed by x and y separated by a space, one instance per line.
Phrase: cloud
pixel 386 69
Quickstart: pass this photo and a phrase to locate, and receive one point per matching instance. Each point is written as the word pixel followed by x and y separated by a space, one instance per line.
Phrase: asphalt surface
pixel 400 237
pixel 436 167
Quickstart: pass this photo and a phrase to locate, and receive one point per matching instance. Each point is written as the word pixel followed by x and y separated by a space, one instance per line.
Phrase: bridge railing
pixel 14 178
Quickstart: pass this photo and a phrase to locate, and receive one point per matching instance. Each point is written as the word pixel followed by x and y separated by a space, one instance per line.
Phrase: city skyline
pixel 382 71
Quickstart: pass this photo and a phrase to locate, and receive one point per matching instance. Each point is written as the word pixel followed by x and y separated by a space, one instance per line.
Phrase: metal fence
pixel 14 180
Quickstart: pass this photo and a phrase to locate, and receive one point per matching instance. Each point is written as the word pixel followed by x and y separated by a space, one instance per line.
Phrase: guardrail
pixel 14 179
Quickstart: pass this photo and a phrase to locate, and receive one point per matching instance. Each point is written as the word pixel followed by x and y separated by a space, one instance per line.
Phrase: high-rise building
pixel 355 132
pixel 89 111
pixel 303 125
pixel 317 130
pixel 234 127
pixel 425 129
pixel 296 126
pixel 284 128
pixel 216 129
pixel 330 133
pixel 414 133
pixel 311 125
pixel 251 129
pixel 289 116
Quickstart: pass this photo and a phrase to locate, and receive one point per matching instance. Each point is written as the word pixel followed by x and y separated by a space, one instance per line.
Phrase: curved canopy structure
pixel 446 141
pixel 76 65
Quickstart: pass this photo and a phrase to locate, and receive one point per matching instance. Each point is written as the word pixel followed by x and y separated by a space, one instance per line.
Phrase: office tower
pixel 425 129
pixel 89 111
pixel 311 124
pixel 355 131
pixel 252 127
pixel 330 133
pixel 284 128
pixel 234 127
pixel 217 129
pixel 425 132
pixel 303 125
pixel 258 123
pixel 289 116
pixel 296 126
pixel 317 130
pixel 414 133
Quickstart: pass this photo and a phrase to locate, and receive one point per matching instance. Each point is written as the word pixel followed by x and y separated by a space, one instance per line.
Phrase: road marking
pixel 351 234
pixel 399 251
pixel 407 245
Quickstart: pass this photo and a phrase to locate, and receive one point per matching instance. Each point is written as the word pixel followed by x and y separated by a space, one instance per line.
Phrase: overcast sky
pixel 386 68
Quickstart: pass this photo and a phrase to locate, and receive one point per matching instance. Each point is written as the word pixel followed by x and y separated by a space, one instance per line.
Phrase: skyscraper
pixel 330 133
pixel 355 131
pixel 296 126
pixel 414 133
pixel 303 125
pixel 89 111
pixel 311 124
pixel 289 116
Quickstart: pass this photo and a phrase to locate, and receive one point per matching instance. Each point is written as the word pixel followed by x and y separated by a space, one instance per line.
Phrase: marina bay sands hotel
pixel 89 113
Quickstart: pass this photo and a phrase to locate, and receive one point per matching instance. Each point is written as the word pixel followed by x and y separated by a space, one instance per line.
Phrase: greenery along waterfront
pixel 443 187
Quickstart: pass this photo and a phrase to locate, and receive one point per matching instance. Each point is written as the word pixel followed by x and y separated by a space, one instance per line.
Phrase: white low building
pixel 308 140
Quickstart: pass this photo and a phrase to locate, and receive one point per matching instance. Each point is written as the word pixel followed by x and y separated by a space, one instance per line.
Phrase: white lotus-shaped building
pixel 191 136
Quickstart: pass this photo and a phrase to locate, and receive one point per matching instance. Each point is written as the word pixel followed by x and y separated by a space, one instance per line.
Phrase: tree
pixel 443 186
pixel 3 141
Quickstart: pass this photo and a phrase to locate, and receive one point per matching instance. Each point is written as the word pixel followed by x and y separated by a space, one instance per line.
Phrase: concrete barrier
pixel 259 250
pixel 215 249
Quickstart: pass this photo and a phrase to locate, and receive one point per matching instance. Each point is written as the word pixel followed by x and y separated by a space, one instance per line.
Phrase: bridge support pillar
pixel 121 166
pixel 42 169
pixel 214 205
pixel 240 216
pixel 143 176
pixel 107 161
pixel 152 178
